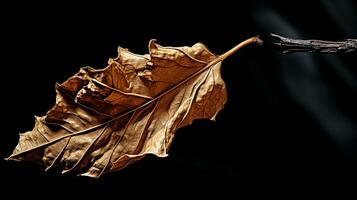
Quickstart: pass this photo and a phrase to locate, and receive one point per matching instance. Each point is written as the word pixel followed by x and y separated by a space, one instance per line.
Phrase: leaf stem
pixel 246 42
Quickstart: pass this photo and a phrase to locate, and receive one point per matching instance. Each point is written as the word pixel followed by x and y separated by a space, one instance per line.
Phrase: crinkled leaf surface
pixel 105 119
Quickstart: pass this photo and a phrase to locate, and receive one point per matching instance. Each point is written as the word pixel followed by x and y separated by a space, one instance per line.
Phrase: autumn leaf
pixel 106 119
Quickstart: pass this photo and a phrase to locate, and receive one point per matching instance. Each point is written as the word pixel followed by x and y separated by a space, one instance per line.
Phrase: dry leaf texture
pixel 106 119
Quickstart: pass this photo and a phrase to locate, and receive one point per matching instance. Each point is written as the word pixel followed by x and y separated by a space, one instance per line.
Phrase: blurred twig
pixel 287 45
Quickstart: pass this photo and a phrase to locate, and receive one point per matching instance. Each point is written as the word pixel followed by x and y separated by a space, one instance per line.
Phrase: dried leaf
pixel 106 119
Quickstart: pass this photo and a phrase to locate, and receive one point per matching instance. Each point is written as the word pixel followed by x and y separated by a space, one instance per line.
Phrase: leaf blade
pixel 161 92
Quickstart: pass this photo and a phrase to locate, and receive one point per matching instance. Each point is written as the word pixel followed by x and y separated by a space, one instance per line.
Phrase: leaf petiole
pixel 246 42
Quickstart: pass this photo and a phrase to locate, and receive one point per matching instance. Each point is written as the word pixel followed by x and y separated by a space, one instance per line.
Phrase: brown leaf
pixel 106 119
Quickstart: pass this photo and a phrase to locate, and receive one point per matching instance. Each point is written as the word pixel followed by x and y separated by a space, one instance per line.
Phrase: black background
pixel 290 120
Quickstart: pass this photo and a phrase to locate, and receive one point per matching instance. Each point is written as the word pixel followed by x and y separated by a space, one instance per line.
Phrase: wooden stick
pixel 287 45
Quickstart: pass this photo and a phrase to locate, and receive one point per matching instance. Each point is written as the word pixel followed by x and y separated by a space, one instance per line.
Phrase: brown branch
pixel 287 45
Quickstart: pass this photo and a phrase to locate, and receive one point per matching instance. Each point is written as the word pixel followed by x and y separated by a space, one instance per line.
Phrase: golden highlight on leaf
pixel 106 119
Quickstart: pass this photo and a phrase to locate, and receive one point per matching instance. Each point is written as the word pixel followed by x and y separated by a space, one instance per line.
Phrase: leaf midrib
pixel 209 65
